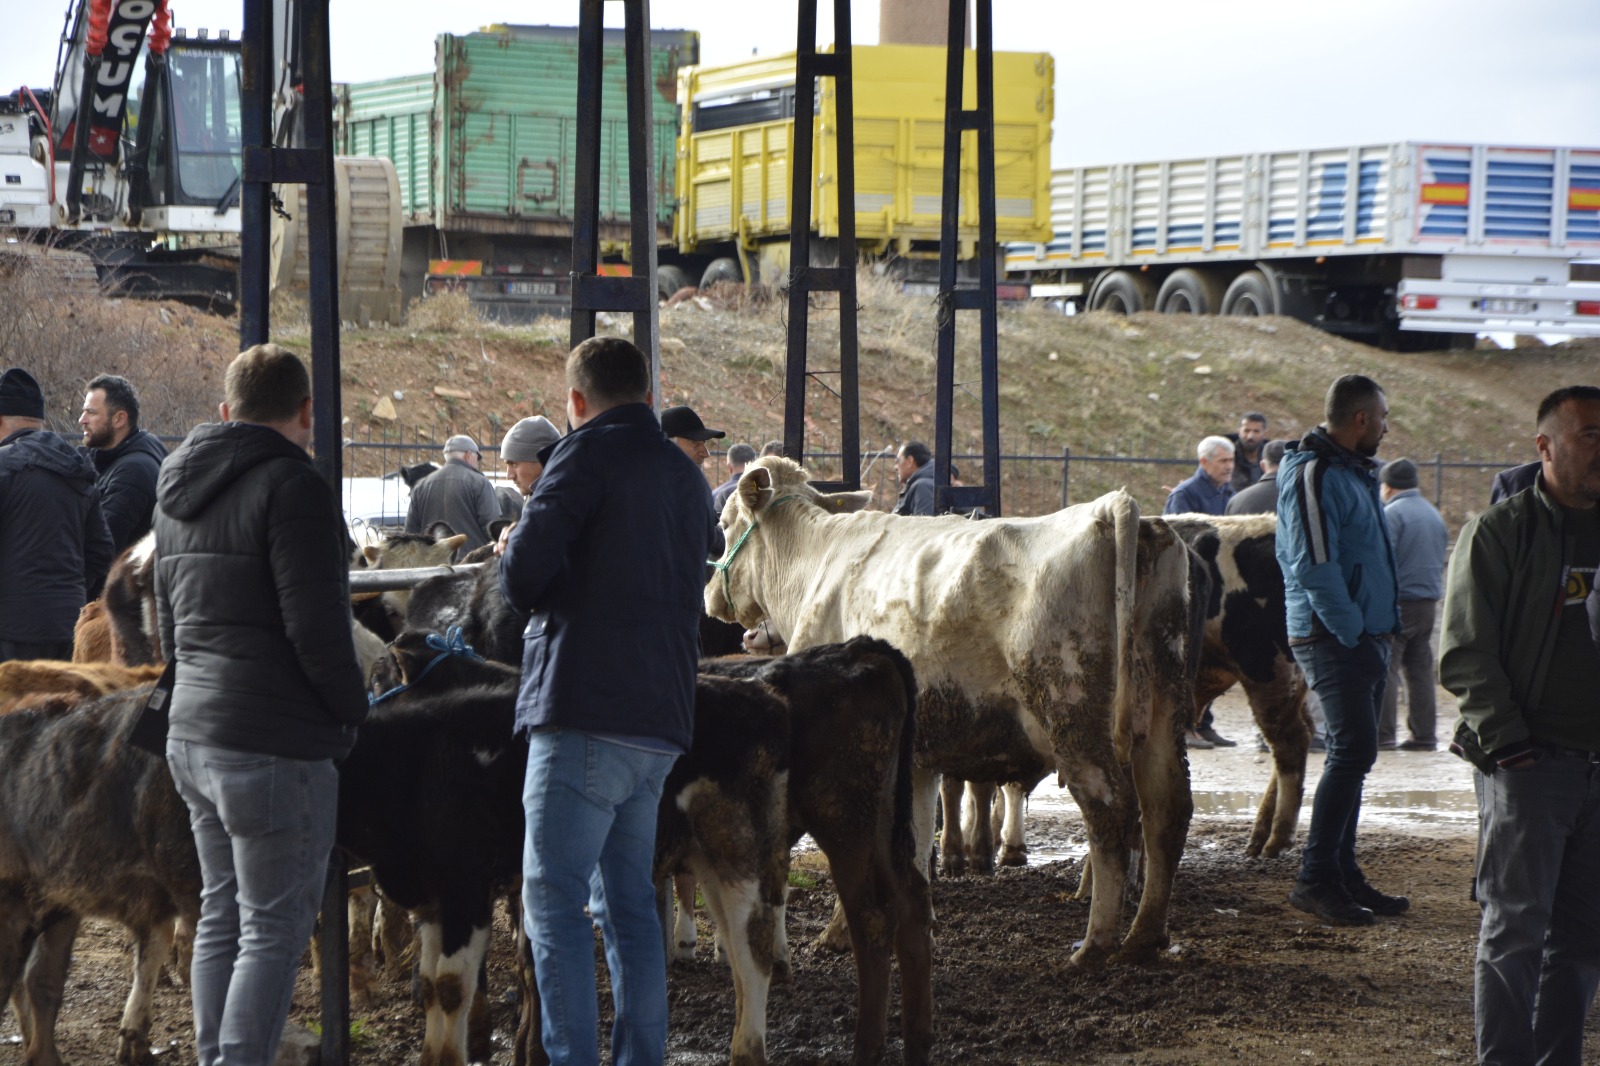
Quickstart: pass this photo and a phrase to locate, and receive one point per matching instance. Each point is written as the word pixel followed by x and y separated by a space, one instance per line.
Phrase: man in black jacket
pixel 126 457
pixel 54 549
pixel 252 595
pixel 609 559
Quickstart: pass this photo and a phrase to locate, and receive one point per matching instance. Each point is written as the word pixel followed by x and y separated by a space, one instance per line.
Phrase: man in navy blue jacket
pixel 1341 597
pixel 609 561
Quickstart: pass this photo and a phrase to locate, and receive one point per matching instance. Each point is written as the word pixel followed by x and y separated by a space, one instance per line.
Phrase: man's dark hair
pixel 1255 416
pixel 609 371
pixel 772 447
pixel 918 453
pixel 1349 396
pixel 266 383
pixel 1552 402
pixel 119 396
pixel 740 454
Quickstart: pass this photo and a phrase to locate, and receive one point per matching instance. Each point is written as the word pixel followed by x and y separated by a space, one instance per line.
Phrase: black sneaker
pixel 1331 903
pixel 1216 738
pixel 1376 902
pixel 1419 745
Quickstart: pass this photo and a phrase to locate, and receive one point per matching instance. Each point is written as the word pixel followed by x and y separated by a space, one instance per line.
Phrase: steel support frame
pixel 262 165
pixel 592 293
pixel 805 279
pixel 952 299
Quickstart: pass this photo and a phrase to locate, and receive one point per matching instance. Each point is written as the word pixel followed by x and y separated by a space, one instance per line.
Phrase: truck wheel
pixel 1189 292
pixel 1249 295
pixel 1122 292
pixel 669 279
pixel 723 269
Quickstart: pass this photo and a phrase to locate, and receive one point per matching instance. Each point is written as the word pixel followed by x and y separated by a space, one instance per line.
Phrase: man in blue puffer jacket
pixel 1343 606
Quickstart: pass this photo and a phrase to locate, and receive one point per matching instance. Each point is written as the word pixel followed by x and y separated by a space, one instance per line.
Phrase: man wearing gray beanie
pixel 53 538
pixel 1420 540
pixel 521 447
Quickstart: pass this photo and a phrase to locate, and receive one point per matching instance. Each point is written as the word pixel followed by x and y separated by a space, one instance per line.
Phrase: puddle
pixel 1057 852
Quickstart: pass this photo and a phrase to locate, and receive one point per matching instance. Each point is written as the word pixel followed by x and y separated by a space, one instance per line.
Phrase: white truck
pixel 1393 244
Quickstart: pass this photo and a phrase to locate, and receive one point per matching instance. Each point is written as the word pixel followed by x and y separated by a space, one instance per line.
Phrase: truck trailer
pixel 483 146
pixel 1393 244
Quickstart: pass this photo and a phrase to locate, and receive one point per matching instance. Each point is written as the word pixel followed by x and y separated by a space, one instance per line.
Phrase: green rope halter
pixel 738 545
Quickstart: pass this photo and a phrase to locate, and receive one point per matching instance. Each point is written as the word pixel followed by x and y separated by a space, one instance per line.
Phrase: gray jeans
pixel 1538 879
pixel 263 826
pixel 1411 658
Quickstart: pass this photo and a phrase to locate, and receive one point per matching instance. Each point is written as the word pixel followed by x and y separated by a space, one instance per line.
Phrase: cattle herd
pixel 987 653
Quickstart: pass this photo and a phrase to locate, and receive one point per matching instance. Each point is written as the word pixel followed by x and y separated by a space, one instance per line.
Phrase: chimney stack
pixel 918 22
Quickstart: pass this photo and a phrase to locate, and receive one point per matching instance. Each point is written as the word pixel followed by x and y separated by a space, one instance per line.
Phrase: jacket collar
pixel 1319 443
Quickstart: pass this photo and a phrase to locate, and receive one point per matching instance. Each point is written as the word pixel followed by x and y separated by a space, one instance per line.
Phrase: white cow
pixel 1055 641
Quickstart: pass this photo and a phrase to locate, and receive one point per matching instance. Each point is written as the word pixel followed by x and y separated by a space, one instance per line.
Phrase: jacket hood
pixel 139 442
pixel 1317 442
pixel 51 452
pixel 212 459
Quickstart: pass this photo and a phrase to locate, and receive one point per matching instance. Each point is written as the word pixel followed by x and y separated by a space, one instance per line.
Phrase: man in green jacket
pixel 1521 651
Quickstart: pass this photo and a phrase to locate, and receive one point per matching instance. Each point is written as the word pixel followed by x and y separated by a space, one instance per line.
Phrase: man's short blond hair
pixel 609 371
pixel 266 383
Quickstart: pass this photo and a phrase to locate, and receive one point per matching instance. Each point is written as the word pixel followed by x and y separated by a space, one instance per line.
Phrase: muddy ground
pixel 1248 979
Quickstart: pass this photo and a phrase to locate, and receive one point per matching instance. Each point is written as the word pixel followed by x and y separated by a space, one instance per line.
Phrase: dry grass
pixel 444 312
pixel 58 326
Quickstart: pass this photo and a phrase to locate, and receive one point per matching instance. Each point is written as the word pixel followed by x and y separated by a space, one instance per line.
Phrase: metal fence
pixel 1034 480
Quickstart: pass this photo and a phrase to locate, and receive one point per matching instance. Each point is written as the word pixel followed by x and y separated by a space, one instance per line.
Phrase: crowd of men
pixel 615 524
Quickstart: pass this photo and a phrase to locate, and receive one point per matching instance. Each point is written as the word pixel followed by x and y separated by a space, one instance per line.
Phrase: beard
pixel 102 439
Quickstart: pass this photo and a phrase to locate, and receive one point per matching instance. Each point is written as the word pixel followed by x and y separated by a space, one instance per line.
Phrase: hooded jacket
pixel 609 560
pixel 916 495
pixel 253 597
pixel 54 548
pixel 128 485
pixel 1333 543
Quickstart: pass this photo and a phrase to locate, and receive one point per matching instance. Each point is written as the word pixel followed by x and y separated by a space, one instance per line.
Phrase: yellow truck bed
pixel 737 124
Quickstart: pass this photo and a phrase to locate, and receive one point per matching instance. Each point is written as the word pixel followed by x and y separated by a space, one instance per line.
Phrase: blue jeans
pixel 263 826
pixel 1349 685
pixel 591 834
pixel 1538 879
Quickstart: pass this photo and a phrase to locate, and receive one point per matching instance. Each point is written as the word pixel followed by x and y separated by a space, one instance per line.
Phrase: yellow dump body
pixel 737 126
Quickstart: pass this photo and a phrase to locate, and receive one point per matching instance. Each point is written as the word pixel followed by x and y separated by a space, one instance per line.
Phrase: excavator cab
pixel 186 129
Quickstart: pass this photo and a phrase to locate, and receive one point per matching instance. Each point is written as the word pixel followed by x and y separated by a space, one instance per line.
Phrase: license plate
pixel 531 288
pixel 1505 307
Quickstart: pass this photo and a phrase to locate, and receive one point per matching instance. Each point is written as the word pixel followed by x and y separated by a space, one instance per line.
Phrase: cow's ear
pixel 440 530
pixel 755 488
pixel 454 542
pixel 844 502
pixel 372 554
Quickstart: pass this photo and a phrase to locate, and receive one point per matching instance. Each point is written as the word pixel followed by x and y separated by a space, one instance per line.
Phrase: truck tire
pixel 669 279
pixel 724 269
pixel 1122 292
pixel 1189 292
pixel 1249 295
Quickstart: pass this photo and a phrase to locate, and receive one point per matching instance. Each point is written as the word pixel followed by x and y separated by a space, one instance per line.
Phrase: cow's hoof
pixel 1014 855
pixel 952 865
pixel 781 974
pixel 1090 958
pixel 980 864
pixel 683 953
pixel 133 1049
pixel 835 940
pixel 1143 952
pixel 1272 849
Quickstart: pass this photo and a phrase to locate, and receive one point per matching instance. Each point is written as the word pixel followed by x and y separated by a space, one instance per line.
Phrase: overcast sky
pixel 1163 78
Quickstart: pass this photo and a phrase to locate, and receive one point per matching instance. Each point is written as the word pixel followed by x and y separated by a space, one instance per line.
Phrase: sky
pixel 1176 79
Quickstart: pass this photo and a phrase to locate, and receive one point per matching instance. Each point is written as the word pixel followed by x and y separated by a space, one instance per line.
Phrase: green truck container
pixel 484 148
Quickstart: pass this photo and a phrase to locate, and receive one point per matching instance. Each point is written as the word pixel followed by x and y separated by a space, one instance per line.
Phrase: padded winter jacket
pixel 253 597
pixel 1333 543
pixel 609 561
pixel 128 486
pixel 54 548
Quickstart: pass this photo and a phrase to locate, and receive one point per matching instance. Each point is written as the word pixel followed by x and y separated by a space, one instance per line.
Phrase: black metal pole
pixel 255 213
pixel 322 245
pixel 949 247
pixel 586 167
pixel 642 181
pixel 801 150
pixel 845 138
pixel 988 254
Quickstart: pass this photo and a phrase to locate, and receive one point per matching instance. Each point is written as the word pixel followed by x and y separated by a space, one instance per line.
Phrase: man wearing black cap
pixel 456 494
pixel 685 429
pixel 1420 542
pixel 54 546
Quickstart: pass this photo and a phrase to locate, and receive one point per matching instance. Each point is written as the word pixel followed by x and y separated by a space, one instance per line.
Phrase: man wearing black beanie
pixel 53 540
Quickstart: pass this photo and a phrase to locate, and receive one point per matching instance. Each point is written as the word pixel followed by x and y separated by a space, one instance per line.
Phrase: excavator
pixel 132 158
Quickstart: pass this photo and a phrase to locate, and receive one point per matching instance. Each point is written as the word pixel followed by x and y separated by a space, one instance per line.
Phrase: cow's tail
pixel 1125 524
pixel 902 836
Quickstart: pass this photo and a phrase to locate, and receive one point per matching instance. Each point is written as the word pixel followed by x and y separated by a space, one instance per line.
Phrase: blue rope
pixel 452 643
